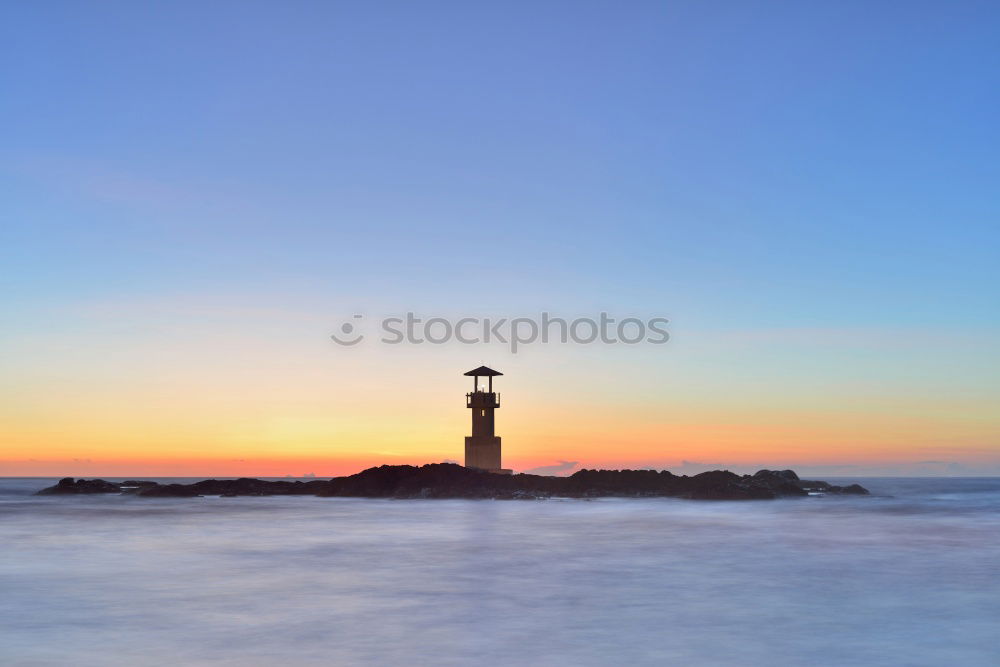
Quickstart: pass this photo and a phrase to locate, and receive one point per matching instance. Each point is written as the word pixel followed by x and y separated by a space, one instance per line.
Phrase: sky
pixel 194 196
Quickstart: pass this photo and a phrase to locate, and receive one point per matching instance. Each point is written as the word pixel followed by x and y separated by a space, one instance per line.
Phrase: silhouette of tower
pixel 482 448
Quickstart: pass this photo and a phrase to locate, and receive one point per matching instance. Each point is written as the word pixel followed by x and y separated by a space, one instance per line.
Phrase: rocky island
pixel 448 480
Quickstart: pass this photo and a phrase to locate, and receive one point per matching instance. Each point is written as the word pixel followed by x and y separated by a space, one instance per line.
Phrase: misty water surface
pixel 911 579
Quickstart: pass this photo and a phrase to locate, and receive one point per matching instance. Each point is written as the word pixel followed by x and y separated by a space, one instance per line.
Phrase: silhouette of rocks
pixel 68 485
pixel 169 491
pixel 231 488
pixel 134 486
pixel 447 480
pixel 780 482
pixel 825 487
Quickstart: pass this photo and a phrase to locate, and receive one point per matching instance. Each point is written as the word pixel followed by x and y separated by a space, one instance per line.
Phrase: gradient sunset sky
pixel 195 195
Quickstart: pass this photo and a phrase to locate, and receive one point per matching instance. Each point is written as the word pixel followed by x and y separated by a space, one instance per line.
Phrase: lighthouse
pixel 482 448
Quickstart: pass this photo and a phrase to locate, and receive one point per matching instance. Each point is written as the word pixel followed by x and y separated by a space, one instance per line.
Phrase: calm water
pixel 911 577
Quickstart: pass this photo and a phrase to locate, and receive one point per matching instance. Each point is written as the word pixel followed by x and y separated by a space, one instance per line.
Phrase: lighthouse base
pixel 483 453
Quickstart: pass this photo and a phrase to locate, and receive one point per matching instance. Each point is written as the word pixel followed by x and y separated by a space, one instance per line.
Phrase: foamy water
pixel 911 579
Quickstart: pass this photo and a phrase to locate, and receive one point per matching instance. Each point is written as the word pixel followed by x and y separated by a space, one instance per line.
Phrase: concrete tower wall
pixel 482 422
pixel 482 453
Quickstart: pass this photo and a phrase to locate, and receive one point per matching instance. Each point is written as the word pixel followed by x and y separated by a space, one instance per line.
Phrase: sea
pixel 907 576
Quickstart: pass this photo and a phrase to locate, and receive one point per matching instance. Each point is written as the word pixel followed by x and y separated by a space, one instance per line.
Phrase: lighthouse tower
pixel 482 448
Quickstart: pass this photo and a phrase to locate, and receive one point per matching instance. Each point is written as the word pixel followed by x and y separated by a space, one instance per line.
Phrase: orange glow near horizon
pixel 197 404
pixel 301 446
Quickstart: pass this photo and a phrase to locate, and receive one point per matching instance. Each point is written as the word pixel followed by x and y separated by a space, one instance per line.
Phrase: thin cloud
pixel 560 468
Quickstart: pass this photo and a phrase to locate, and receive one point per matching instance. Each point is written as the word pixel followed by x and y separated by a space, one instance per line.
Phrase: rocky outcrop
pixel 816 486
pixel 68 485
pixel 447 480
pixel 780 482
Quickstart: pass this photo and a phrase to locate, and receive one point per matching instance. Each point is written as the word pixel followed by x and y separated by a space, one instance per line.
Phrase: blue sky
pixel 738 167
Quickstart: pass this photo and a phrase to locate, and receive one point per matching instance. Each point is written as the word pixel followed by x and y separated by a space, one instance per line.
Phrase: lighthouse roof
pixel 483 372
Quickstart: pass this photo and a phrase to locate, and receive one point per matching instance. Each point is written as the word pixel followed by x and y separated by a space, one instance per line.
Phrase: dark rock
pixel 826 487
pixel 68 486
pixel 814 485
pixel 779 482
pixel 447 480
pixel 135 486
pixel 169 491
pixel 788 475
